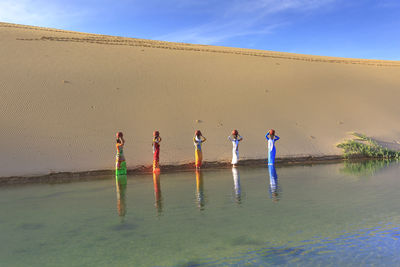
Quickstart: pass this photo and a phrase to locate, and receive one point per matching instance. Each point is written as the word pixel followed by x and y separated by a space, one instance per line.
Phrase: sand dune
pixel 63 95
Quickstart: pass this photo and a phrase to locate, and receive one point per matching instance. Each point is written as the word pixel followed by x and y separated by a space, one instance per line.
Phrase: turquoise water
pixel 328 215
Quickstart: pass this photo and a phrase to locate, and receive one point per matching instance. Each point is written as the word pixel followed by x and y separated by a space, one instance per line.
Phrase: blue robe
pixel 271 149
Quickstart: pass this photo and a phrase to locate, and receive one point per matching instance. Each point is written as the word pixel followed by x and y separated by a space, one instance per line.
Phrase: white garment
pixel 197 142
pixel 235 149
pixel 271 144
pixel 235 157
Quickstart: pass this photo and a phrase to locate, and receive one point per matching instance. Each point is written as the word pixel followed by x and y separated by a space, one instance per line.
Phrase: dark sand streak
pixel 67 177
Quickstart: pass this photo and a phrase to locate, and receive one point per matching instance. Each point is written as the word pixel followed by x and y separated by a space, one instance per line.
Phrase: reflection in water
pixel 273 183
pixel 121 184
pixel 236 182
pixel 157 192
pixel 200 190
pixel 320 205
pixel 121 199
pixel 364 168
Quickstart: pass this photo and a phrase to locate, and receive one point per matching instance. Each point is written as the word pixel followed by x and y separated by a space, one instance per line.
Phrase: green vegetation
pixel 364 146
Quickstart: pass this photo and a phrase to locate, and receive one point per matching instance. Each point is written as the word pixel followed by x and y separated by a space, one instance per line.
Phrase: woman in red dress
pixel 156 150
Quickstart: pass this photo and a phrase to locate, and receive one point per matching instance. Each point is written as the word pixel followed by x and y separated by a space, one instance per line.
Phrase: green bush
pixel 364 146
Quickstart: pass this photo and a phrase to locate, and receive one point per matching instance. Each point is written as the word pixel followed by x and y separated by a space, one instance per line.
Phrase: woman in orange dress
pixel 198 140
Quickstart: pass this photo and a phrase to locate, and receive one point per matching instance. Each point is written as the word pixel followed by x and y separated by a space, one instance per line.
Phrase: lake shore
pixel 65 177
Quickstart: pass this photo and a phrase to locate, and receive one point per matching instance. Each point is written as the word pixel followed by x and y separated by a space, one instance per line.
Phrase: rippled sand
pixel 63 95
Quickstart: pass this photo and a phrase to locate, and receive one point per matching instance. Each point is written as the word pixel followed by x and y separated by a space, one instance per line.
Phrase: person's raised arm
pixel 230 138
pixel 266 136
pixel 240 138
pixel 204 139
pixel 276 138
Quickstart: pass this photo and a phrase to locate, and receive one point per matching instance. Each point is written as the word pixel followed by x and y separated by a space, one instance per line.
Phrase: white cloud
pixel 213 33
pixel 243 18
pixel 39 13
pixel 222 19
pixel 274 6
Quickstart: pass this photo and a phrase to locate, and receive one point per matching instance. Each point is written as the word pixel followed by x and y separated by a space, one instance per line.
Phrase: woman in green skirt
pixel 120 168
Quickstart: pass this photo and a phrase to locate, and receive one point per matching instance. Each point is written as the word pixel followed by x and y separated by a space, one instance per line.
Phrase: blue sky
pixel 344 28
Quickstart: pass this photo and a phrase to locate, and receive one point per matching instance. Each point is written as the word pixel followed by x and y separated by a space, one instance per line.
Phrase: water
pixel 328 215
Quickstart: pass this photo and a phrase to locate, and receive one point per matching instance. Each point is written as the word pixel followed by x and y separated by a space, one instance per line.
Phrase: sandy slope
pixel 63 95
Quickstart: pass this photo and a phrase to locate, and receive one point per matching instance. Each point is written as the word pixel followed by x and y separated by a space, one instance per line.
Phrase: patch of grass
pixel 364 146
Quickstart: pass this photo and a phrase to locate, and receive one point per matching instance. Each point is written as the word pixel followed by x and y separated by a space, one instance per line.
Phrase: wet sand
pixel 66 177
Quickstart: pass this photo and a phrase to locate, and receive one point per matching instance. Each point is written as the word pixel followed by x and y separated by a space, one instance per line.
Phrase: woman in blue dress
pixel 271 137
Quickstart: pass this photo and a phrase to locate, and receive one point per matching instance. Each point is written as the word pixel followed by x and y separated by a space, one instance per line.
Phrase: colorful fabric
pixel 120 152
pixel 199 158
pixel 156 165
pixel 156 155
pixel 271 148
pixel 156 152
pixel 121 173
pixel 197 142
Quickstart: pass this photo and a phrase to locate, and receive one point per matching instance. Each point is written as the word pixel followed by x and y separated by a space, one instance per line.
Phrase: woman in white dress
pixel 235 138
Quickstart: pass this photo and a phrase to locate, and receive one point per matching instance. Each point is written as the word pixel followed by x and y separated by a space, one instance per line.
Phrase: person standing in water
pixel 235 139
pixel 271 137
pixel 120 163
pixel 198 139
pixel 156 150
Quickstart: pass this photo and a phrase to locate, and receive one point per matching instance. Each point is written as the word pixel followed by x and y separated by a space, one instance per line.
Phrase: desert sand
pixel 64 95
